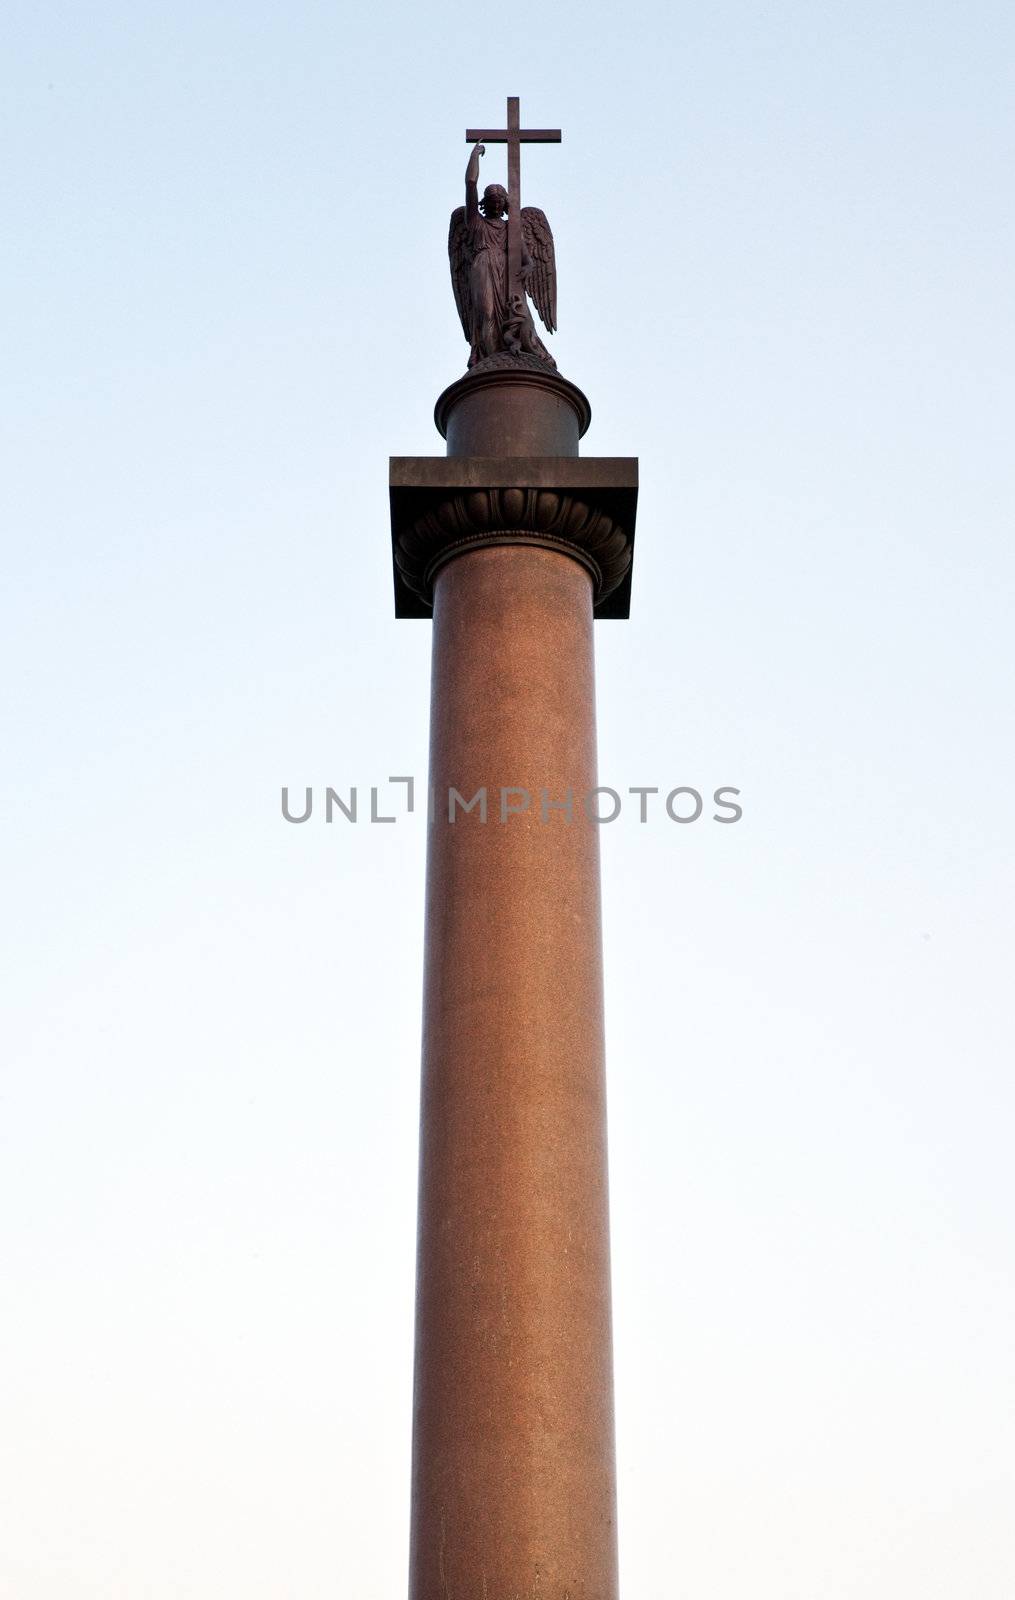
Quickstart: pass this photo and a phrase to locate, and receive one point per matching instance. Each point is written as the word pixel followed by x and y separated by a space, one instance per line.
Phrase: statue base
pixel 510 406
pixel 511 361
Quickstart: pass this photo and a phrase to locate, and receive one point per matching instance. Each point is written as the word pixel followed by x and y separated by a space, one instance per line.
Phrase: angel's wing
pixel 542 285
pixel 459 267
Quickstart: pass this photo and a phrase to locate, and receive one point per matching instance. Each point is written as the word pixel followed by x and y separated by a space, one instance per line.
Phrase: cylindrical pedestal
pixel 513 1491
pixel 522 411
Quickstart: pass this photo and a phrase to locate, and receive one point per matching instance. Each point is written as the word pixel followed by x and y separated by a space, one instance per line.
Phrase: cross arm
pixel 504 135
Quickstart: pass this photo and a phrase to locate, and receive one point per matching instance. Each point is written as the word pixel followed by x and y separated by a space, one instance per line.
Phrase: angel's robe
pixel 486 253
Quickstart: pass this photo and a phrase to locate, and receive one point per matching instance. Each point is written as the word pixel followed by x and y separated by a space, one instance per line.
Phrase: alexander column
pixel 513 543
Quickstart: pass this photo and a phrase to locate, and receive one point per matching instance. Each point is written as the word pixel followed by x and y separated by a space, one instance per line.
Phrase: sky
pixel 784 241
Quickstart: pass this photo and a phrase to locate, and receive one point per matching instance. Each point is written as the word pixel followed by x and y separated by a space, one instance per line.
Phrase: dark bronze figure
pixel 500 252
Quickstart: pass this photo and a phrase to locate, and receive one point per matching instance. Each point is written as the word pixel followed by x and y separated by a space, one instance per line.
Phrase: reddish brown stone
pixel 513 1455
pixel 516 543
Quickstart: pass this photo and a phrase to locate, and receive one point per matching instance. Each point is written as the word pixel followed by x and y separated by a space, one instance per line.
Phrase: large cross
pixel 514 136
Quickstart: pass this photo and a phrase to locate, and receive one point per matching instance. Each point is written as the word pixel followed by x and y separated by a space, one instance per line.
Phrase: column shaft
pixel 513 1492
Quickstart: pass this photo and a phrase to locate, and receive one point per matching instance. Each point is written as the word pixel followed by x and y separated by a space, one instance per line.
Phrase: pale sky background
pixel 784 242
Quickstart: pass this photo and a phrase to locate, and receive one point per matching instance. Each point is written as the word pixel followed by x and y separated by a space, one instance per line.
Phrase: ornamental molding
pixel 545 518
pixel 583 507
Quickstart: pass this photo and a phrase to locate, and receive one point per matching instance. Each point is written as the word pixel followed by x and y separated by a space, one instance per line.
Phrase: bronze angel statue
pixel 494 319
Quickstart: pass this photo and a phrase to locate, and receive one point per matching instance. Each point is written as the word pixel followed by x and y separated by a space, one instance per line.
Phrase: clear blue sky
pixel 785 253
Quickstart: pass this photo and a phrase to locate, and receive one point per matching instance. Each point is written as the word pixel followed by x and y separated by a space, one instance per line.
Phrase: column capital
pixel 583 507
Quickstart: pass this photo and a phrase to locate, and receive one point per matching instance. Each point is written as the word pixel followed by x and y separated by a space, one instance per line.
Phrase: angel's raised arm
pixel 472 183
